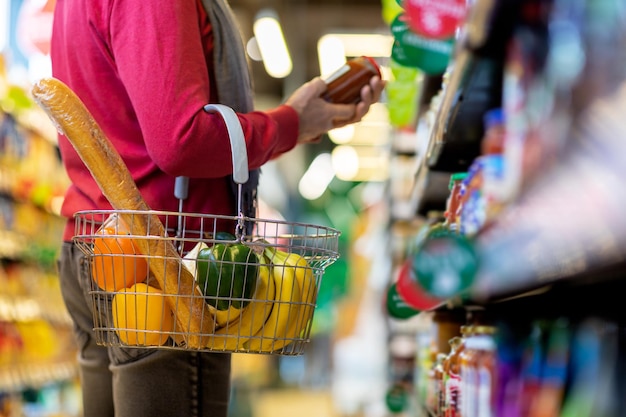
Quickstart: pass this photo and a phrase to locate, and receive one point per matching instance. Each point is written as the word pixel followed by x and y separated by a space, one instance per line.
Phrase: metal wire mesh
pixel 258 280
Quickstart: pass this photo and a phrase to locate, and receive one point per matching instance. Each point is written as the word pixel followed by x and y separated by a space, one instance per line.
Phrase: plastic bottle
pixel 468 384
pixel 452 378
pixel 493 139
pixel 477 365
pixel 344 85
pixel 438 384
pixel 454 200
pixel 485 364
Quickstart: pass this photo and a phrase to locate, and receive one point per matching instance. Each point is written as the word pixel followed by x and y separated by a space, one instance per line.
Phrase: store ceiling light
pixel 331 54
pixel 317 177
pixel 272 45
pixel 4 24
pixel 345 162
pixel 333 48
pixel 360 163
pixel 342 135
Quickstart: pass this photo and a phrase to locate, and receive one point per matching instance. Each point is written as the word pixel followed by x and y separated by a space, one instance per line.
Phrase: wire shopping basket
pixel 257 292
pixel 177 280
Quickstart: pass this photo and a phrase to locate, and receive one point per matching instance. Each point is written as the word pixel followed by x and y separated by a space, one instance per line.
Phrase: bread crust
pixel 73 120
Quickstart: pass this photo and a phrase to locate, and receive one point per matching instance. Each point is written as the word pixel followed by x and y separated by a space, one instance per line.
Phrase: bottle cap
pixel 459 176
pixel 493 117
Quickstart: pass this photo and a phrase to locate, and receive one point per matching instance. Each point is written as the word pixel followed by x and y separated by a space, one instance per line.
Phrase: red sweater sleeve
pixel 158 52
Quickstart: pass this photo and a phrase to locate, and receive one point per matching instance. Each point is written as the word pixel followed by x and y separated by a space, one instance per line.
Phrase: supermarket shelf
pixel 429 193
pixel 22 309
pixel 15 378
pixel 567 229
pixel 12 245
pixel 569 226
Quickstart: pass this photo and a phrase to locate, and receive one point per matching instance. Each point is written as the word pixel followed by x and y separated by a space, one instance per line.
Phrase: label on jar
pixel 335 75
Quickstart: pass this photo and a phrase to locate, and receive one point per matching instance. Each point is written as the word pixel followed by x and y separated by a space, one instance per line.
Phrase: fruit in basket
pixel 296 291
pixel 252 318
pixel 117 262
pixel 222 317
pixel 141 316
pixel 224 236
pixel 227 274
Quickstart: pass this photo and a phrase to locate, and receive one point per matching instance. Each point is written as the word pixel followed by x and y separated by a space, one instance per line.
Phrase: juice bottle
pixel 452 378
pixel 454 409
pixel 554 373
pixel 493 139
pixel 438 384
pixel 477 367
pixel 454 200
pixel 431 394
pixel 467 395
pixel 533 359
pixel 471 209
pixel 485 365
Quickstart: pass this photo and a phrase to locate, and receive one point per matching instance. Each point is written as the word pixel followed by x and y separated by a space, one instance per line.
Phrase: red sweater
pixel 142 68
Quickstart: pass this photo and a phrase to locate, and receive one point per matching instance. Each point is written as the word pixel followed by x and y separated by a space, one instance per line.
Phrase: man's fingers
pixel 318 86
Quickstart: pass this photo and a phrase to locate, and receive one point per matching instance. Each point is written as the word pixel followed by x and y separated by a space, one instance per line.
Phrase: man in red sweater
pixel 145 69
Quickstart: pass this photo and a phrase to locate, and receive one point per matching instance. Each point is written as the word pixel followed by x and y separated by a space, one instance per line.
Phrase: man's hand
pixel 317 116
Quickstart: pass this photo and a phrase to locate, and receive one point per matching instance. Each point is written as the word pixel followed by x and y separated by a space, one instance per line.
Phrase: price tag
pixel 435 19
pixel 446 265
pixel 396 399
pixel 416 51
pixel 412 292
pixel 396 306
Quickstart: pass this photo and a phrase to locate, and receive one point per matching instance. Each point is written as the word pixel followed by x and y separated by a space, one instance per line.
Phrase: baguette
pixel 72 119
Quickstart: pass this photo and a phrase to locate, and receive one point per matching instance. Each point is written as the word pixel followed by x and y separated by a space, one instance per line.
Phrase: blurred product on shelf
pixel 445 264
pixel 453 204
pixel 552 367
pixel 452 377
pixel 38 372
pixel 554 138
pixel 418 51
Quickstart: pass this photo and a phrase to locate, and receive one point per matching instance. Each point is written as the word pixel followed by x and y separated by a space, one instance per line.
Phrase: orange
pixel 117 262
pixel 141 316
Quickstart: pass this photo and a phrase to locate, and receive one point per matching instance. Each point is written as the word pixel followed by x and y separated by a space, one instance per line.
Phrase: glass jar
pixel 345 84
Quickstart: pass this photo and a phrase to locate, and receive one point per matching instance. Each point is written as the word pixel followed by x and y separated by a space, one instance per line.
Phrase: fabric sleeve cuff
pixel 287 121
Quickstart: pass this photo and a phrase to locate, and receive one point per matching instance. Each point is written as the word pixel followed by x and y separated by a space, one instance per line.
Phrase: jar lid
pixel 374 64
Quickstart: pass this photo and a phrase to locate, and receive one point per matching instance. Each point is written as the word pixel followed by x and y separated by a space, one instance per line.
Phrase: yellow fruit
pixel 280 328
pixel 251 319
pixel 224 318
pixel 141 316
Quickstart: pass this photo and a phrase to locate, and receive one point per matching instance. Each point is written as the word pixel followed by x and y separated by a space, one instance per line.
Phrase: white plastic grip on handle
pixel 237 146
pixel 237 140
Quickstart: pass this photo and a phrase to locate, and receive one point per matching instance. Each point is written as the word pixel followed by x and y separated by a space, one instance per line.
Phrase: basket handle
pixel 237 140
pixel 239 153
